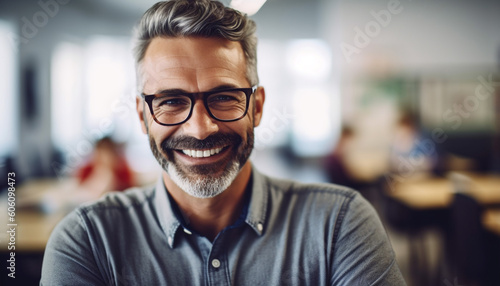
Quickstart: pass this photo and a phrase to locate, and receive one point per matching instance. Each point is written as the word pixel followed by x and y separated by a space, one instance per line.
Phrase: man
pixel 213 219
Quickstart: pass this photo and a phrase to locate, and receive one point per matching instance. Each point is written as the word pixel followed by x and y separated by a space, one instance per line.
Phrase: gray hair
pixel 202 18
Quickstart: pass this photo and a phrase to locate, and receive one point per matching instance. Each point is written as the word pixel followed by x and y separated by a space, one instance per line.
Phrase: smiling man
pixel 213 219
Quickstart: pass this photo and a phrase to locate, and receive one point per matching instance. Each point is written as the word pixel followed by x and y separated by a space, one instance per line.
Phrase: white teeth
pixel 201 153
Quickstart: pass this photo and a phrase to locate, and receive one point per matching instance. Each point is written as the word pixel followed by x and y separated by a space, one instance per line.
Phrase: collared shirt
pixel 292 234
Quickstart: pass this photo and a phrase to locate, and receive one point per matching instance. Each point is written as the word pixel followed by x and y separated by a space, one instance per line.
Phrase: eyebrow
pixel 181 91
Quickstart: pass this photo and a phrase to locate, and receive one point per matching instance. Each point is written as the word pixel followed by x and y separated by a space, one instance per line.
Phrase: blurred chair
pixel 414 224
pixel 467 246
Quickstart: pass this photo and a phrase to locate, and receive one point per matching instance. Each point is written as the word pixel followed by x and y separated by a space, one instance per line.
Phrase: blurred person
pixel 336 165
pixel 411 156
pixel 106 170
pixel 212 218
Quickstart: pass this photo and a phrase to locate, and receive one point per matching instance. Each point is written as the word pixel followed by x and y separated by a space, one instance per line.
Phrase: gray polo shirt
pixel 288 234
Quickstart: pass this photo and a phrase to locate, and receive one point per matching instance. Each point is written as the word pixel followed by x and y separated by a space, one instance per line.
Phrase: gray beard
pixel 203 186
pixel 199 182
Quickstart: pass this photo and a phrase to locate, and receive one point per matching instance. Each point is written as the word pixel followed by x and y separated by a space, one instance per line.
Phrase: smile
pixel 202 153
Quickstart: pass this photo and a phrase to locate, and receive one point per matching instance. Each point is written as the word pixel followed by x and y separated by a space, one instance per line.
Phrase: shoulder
pixel 328 203
pixel 315 191
pixel 126 200
pixel 116 212
pixel 81 242
pixel 111 210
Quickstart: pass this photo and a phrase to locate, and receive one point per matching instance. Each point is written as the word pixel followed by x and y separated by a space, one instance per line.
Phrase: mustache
pixel 211 142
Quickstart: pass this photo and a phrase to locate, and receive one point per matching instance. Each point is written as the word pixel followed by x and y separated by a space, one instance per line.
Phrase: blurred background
pixel 397 99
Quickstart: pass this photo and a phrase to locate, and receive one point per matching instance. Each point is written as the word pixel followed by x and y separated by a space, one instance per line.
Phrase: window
pixel 93 95
pixel 67 96
pixel 8 92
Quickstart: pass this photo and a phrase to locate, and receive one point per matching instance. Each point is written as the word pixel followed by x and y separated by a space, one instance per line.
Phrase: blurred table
pixel 491 220
pixel 432 193
pixel 428 193
pixel 424 203
pixel 39 207
pixel 32 231
pixel 485 188
pixel 438 193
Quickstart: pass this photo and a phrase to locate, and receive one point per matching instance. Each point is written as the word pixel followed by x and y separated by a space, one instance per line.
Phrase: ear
pixel 139 102
pixel 260 97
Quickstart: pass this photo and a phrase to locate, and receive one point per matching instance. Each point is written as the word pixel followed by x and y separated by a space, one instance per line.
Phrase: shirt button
pixel 216 263
pixel 260 227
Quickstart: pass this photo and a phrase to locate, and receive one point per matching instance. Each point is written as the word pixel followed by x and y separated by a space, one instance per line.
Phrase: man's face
pixel 197 65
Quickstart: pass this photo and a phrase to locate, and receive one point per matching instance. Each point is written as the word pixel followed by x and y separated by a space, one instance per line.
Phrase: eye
pixel 169 101
pixel 222 98
pixel 225 98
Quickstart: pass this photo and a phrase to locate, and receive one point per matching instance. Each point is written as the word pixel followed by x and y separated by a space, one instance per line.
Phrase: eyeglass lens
pixel 224 105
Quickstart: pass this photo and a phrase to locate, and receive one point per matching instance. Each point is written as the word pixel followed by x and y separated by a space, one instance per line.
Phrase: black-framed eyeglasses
pixel 174 108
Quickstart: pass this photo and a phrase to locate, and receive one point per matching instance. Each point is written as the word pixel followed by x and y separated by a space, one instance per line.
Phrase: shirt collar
pixel 256 216
pixel 257 212
pixel 168 221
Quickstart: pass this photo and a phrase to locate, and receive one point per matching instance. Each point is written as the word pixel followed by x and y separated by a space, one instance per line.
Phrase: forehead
pixel 192 64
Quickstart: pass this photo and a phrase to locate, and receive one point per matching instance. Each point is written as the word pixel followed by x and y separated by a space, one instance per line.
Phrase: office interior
pixel 397 99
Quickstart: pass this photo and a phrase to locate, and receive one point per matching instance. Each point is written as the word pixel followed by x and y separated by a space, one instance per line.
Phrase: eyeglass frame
pixel 148 98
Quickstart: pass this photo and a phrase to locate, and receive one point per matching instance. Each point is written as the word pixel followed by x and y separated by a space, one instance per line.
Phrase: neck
pixel 209 216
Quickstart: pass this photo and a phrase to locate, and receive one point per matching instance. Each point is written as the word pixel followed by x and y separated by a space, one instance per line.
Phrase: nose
pixel 200 125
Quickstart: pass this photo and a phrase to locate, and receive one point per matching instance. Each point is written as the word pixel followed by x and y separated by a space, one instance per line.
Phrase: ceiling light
pixel 249 7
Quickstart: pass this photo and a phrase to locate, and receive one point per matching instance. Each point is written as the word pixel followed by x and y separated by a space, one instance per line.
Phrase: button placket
pixel 218 271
